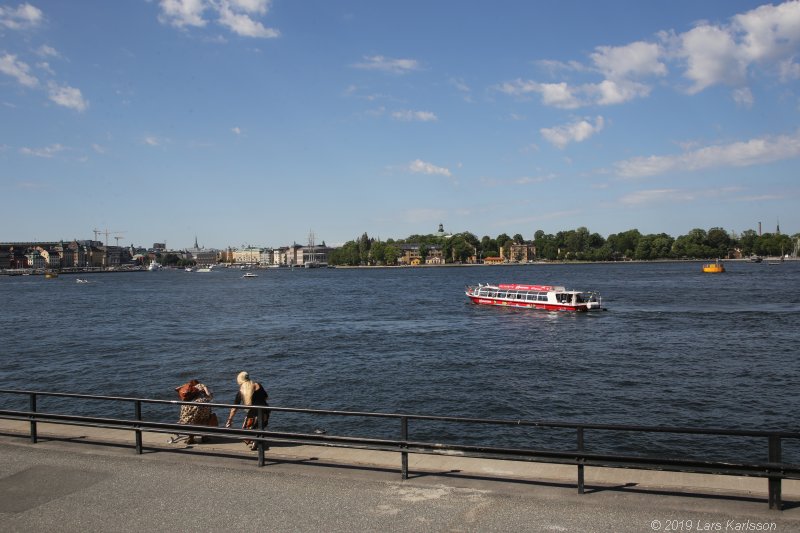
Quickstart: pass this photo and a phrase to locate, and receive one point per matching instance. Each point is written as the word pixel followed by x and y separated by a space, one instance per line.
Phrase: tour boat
pixel 547 297
pixel 250 275
pixel 714 268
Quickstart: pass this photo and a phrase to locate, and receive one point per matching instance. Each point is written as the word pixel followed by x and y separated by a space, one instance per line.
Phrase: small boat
pixel 250 275
pixel 50 275
pixel 546 297
pixel 755 259
pixel 188 269
pixel 153 266
pixel 714 268
pixel 81 280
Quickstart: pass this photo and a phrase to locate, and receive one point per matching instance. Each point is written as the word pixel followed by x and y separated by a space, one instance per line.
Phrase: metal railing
pixel 774 469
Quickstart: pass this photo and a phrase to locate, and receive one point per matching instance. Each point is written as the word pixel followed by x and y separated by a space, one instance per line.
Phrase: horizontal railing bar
pixel 466 420
pixel 787 471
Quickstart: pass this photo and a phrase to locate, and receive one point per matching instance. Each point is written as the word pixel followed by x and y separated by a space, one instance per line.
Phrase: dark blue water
pixel 677 347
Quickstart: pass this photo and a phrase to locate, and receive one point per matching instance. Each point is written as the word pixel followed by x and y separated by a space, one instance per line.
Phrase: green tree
pixel 391 253
pixel 624 244
pixel 377 253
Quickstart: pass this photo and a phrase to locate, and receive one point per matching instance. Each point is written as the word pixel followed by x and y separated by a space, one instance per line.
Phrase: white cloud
pixel 564 96
pixel 661 196
pixel 577 131
pixel 743 97
pixel 151 140
pixel 23 17
pixel 235 15
pixel 67 96
pixel 47 51
pixel 252 6
pixel 98 148
pixel 17 69
pixel 770 32
pixel 768 35
pixel 421 167
pixel 711 55
pixel 553 94
pixel 738 154
pixel 609 92
pixel 47 152
pixel 632 60
pixel 237 130
pixel 414 116
pixel 182 13
pixel 387 64
pixel 242 24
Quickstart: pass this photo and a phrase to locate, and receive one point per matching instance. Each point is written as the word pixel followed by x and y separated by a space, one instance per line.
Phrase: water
pixel 677 347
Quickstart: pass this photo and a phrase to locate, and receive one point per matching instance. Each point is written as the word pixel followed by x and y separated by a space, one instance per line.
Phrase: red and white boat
pixel 547 297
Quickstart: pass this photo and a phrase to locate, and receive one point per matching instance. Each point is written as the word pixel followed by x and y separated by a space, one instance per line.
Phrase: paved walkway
pixel 87 479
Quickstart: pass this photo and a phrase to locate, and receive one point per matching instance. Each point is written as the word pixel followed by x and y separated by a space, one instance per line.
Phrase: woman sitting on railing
pixel 198 415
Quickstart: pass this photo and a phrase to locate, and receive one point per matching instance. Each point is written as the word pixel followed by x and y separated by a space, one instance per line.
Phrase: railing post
pixel 774 489
pixel 137 407
pixel 404 438
pixel 580 460
pixel 33 418
pixel 260 443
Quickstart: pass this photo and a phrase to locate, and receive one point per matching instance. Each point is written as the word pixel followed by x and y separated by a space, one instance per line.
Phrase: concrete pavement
pixel 88 479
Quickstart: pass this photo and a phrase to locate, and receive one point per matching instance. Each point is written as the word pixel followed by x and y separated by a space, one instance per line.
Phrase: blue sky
pixel 254 122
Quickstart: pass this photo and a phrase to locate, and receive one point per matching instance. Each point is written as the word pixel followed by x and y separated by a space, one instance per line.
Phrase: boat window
pixel 542 297
pixel 530 297
pixel 578 299
pixel 502 294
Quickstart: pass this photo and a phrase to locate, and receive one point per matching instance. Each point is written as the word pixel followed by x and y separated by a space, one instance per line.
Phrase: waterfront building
pixel 410 254
pixel 34 259
pixel 247 256
pixel 519 253
pixel 50 256
pixel 202 256
pixel 266 256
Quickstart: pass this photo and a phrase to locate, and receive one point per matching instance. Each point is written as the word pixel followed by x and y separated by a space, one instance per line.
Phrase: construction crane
pixel 106 233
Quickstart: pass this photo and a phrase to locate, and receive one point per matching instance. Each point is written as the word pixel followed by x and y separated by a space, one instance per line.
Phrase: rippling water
pixel 677 347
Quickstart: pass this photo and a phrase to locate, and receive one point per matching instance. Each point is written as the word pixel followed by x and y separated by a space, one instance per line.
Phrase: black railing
pixel 774 469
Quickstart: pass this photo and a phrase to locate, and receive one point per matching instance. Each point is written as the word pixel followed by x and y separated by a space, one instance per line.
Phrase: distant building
pixel 247 256
pixel 202 256
pixel 520 253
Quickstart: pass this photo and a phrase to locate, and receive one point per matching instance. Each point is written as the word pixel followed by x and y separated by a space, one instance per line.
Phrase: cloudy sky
pixel 258 121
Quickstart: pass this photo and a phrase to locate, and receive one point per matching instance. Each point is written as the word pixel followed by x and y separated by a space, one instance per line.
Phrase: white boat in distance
pixel 250 275
pixel 545 297
pixel 154 265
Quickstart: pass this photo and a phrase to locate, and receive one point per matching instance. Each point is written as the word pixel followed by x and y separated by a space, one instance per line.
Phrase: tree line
pixel 570 245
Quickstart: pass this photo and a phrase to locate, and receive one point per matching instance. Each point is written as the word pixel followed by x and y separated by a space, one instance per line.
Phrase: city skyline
pixel 165 120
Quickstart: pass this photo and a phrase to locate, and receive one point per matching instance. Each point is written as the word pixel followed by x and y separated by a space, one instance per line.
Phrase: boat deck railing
pixel 774 470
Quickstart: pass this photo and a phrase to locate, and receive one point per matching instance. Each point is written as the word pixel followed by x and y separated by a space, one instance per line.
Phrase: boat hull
pixel 541 297
pixel 528 305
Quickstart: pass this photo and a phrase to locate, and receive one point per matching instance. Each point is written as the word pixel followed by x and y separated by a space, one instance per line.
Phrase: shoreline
pixel 765 261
